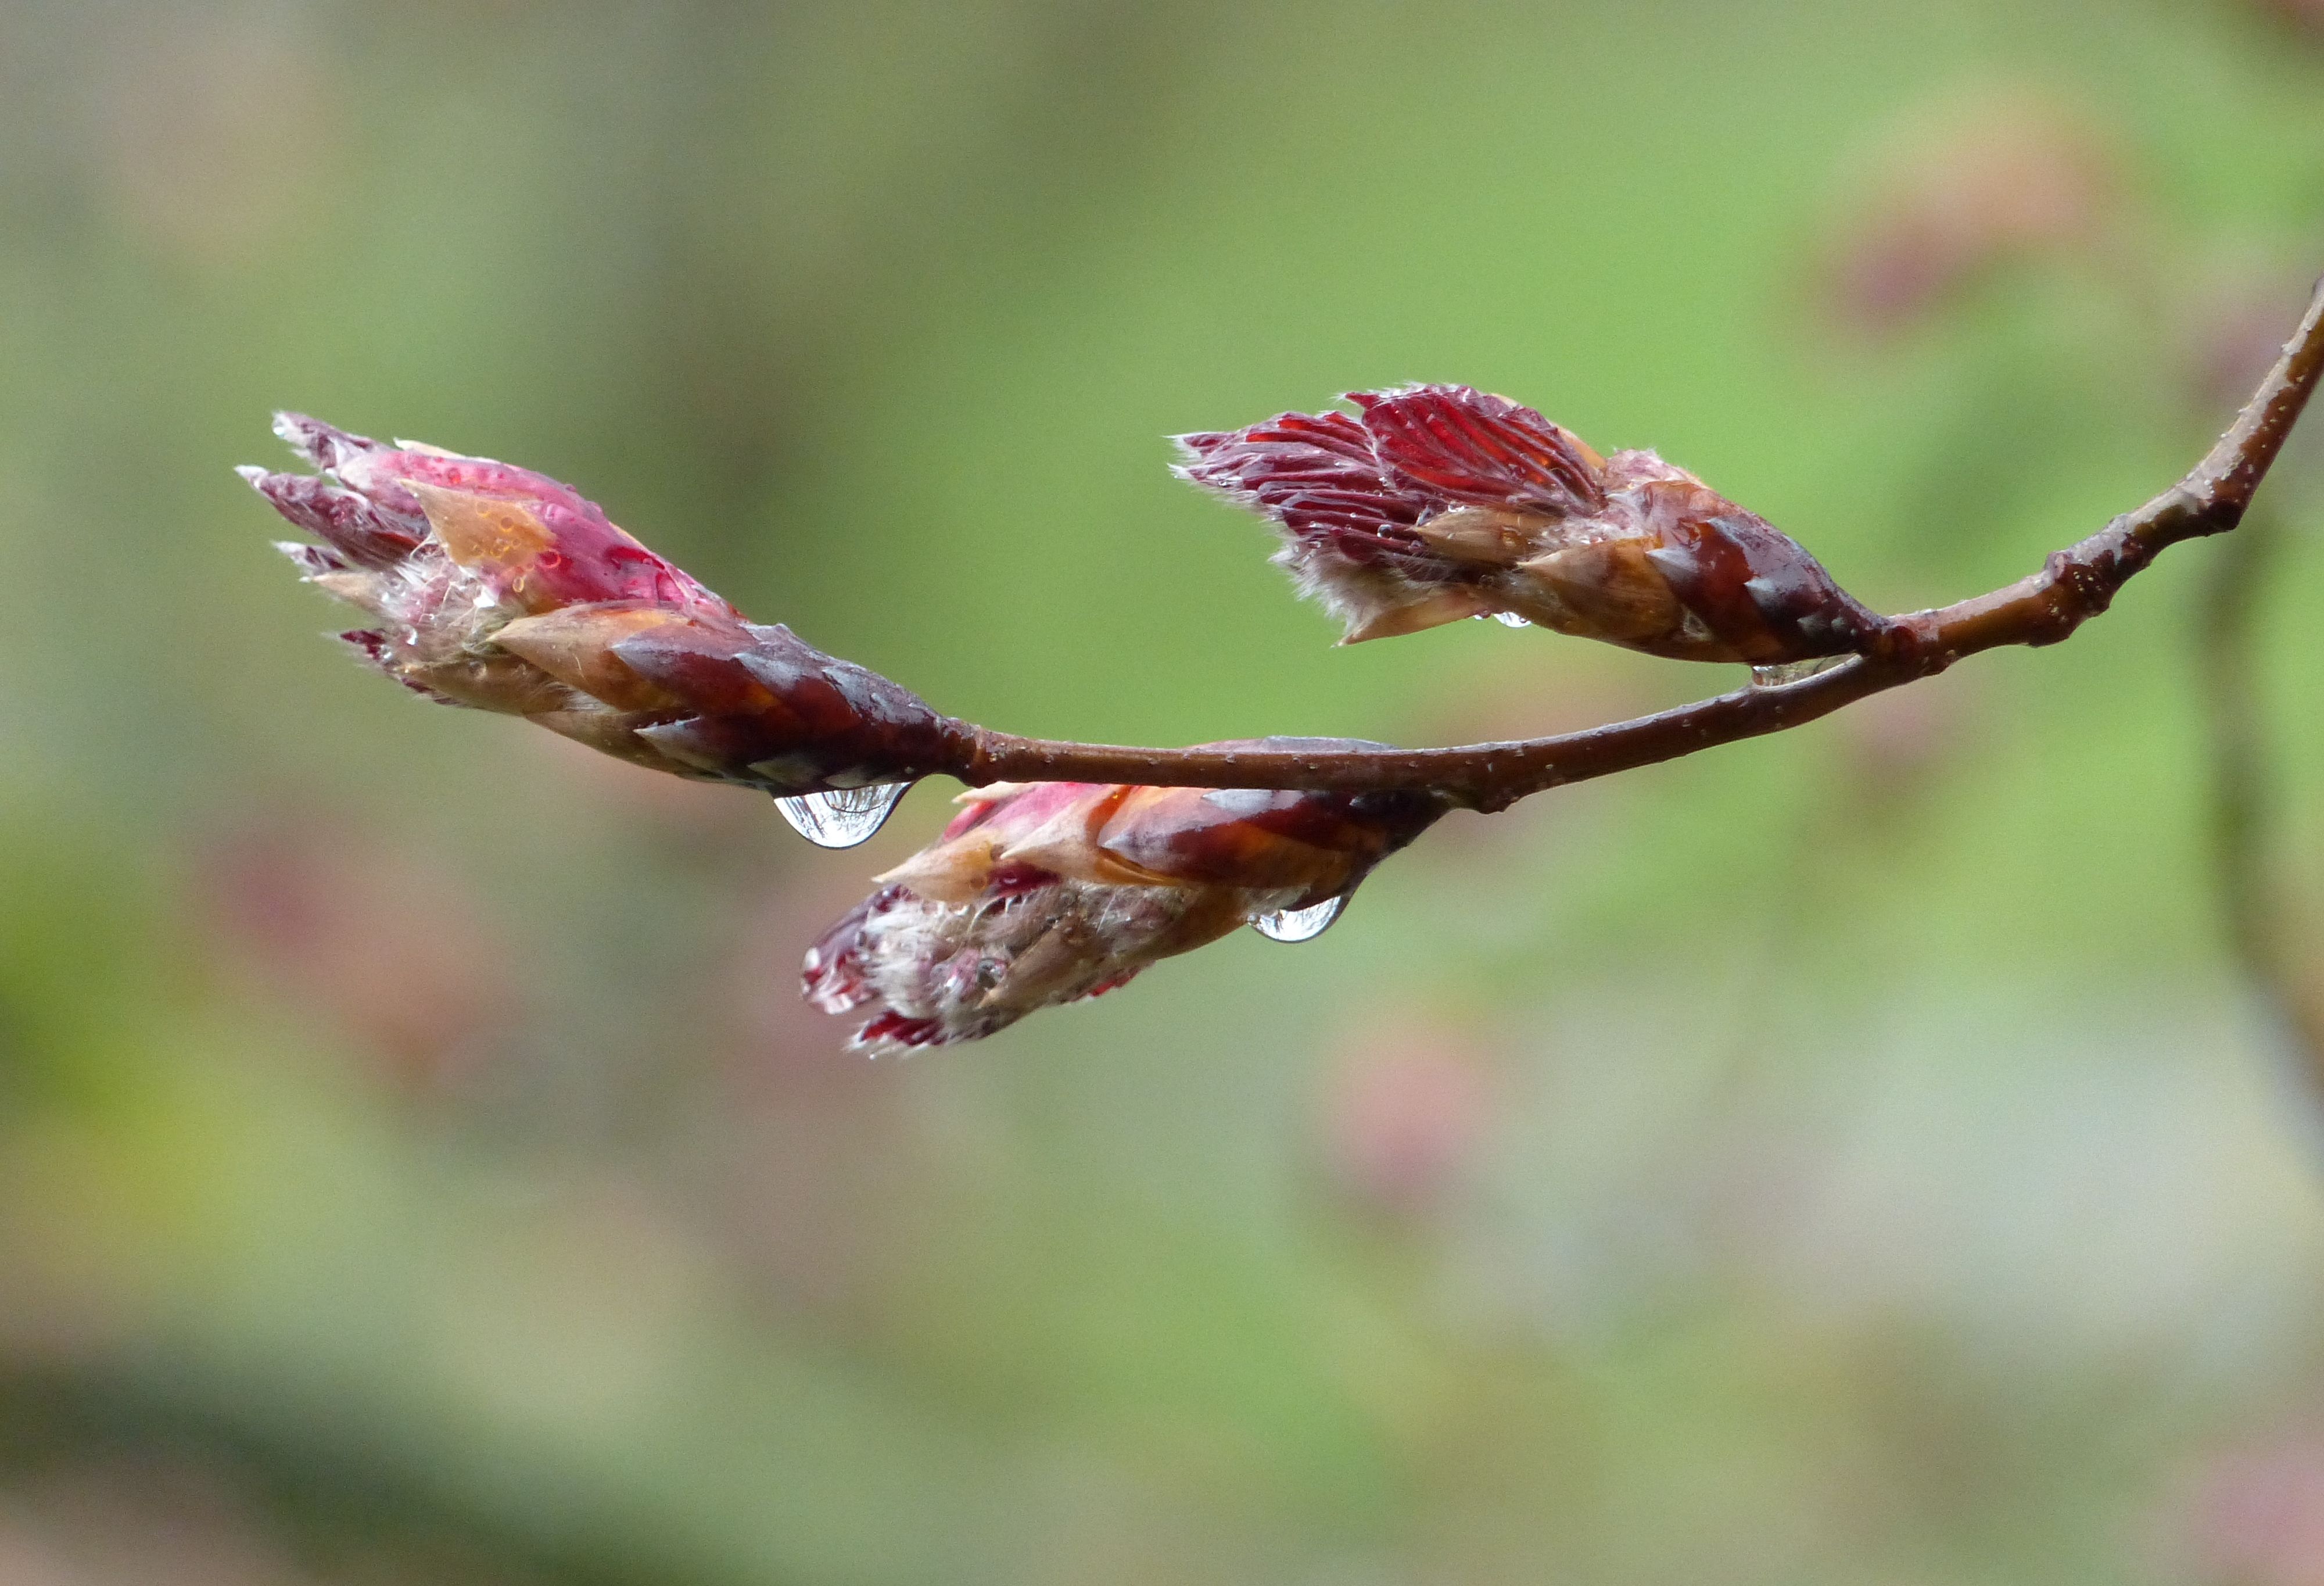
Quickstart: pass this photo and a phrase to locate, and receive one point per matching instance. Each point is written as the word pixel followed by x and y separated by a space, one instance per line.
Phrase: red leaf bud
pixel 1433 503
pixel 500 588
pixel 1044 893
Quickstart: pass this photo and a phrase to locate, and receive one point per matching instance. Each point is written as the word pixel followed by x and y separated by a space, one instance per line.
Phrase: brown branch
pixel 2073 586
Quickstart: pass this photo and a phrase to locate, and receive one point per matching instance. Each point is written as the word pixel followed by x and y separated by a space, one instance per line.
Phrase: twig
pixel 2073 586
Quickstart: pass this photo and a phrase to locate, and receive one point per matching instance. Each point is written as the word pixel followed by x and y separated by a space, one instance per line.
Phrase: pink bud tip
pixel 1430 503
pixel 1053 892
pixel 497 588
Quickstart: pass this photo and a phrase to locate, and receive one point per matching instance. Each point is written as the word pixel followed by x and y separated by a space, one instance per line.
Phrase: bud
pixel 499 588
pixel 1046 893
pixel 1431 503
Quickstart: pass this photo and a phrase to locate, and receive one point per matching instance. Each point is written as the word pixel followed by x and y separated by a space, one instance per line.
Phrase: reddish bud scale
pixel 501 589
pixel 1433 503
pixel 1047 893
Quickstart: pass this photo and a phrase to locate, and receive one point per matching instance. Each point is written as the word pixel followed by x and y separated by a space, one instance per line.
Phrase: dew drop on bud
pixel 1300 924
pixel 1776 676
pixel 1510 619
pixel 843 818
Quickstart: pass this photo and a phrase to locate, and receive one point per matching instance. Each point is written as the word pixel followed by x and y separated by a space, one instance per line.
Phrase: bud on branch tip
pixel 1433 503
pixel 499 588
pixel 1044 893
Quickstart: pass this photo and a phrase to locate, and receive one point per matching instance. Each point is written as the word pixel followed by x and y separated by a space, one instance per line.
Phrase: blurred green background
pixel 1848 1156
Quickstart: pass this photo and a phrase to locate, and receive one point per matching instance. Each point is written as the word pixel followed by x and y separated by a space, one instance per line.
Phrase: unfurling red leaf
pixel 1433 503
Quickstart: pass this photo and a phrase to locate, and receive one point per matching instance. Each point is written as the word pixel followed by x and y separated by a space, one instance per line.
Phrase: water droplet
pixel 841 820
pixel 1510 619
pixel 1300 924
pixel 1776 676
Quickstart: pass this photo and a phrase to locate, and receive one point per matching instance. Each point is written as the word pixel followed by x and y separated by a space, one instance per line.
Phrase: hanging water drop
pixel 1782 672
pixel 1510 619
pixel 1300 924
pixel 843 818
